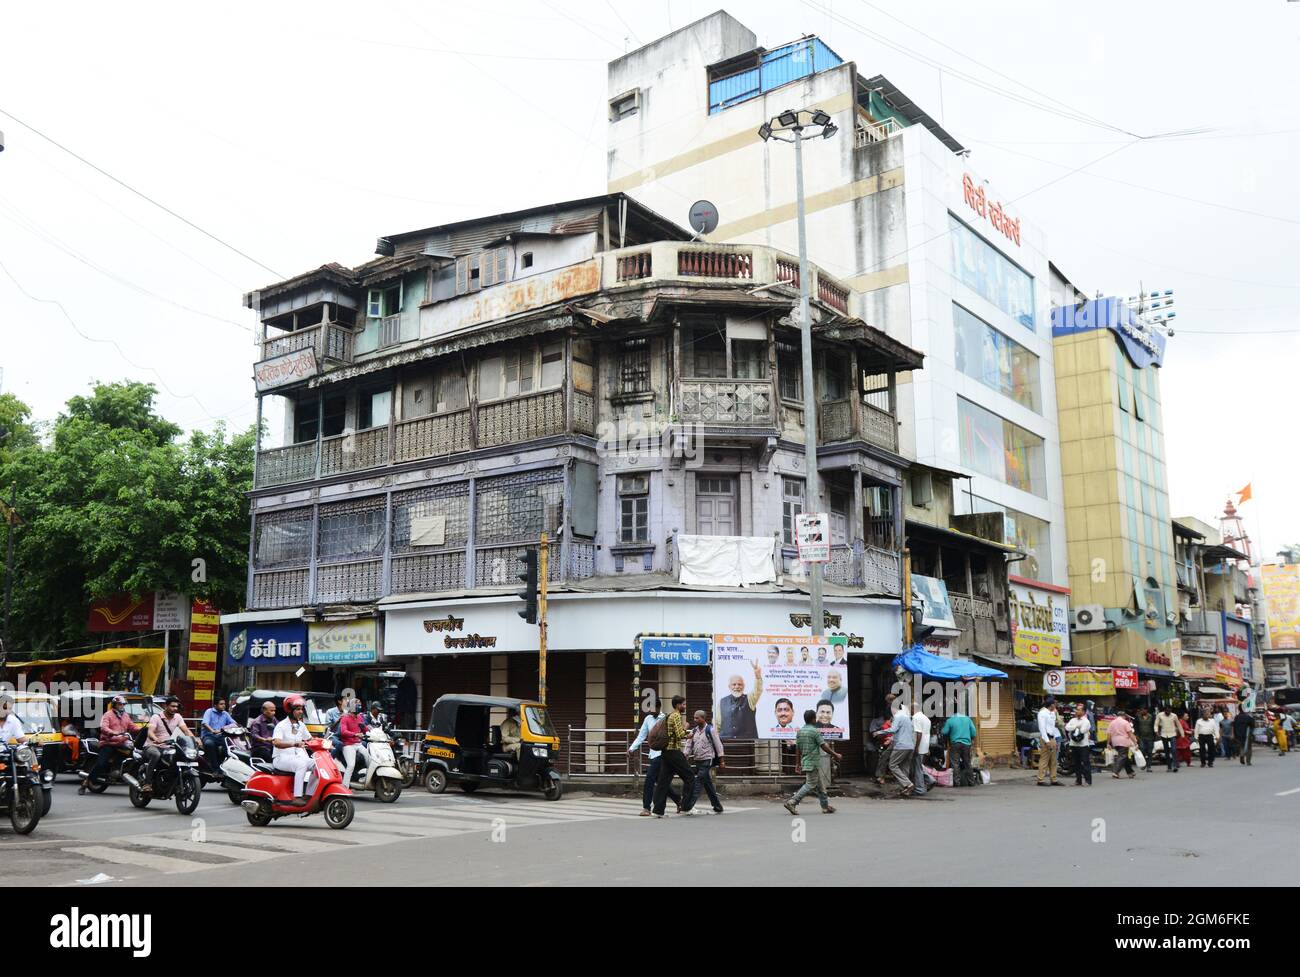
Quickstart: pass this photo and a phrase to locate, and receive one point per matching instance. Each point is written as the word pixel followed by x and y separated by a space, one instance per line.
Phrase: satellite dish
pixel 704 217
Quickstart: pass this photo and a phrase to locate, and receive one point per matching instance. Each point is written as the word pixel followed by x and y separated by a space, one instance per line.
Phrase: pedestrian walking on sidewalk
pixel 1243 729
pixel 705 752
pixel 1288 731
pixel 959 730
pixel 1146 735
pixel 1207 735
pixel 656 761
pixel 811 746
pixel 922 726
pixel 1079 730
pixel 1121 737
pixel 1049 744
pixel 1184 742
pixel 900 757
pixel 1227 743
pixel 1167 728
pixel 674 761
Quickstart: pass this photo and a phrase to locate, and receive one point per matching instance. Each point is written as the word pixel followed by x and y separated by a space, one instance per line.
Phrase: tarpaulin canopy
pixel 921 662
pixel 149 662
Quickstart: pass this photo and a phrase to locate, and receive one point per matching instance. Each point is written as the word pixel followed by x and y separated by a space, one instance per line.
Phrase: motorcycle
pixel 381 774
pixel 175 775
pixel 90 750
pixel 239 764
pixel 238 768
pixel 20 787
pixel 408 761
pixel 269 796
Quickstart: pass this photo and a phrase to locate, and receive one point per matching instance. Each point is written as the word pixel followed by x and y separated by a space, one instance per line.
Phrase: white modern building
pixel 894 209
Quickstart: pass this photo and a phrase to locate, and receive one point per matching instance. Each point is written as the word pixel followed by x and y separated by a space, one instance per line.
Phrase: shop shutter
pixel 443 674
pixel 851 749
pixel 566 691
pixel 998 738
pixel 620 708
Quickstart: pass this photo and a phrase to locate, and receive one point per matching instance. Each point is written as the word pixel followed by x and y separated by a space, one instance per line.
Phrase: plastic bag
pixel 1139 759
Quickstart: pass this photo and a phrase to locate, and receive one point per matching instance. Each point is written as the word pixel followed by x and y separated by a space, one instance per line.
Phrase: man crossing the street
pixel 1167 728
pixel 674 761
pixel 811 745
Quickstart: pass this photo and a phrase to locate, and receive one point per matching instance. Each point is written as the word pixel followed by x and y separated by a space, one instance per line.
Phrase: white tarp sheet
pixel 726 561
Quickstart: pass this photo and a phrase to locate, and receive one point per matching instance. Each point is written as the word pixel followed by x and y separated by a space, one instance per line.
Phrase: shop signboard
pixel 674 650
pixel 936 607
pixel 279 370
pixel 1126 679
pixel 205 626
pixel 1089 682
pixel 763 683
pixel 1229 670
pixel 1280 583
pixel 1040 624
pixel 261 644
pixel 342 642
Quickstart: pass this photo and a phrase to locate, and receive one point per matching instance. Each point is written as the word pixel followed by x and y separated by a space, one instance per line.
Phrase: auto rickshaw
pixel 463 747
pixel 37 712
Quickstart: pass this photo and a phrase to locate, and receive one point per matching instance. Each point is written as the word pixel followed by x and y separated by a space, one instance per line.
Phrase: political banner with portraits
pixel 763 683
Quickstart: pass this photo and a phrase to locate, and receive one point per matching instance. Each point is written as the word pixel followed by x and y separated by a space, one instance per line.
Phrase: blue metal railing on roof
pixel 777 67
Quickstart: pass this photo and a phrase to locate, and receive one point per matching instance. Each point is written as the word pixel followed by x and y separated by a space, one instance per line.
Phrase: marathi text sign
pixel 763 683
pixel 275 643
pixel 342 643
pixel 280 370
pixel 205 625
pixel 656 650
pixel 1040 624
pixel 1089 682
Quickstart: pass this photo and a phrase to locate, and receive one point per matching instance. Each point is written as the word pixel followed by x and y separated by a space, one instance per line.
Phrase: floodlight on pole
pixel 792 122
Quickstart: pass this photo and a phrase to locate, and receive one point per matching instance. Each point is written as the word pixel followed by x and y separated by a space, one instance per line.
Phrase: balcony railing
pixel 632 267
pixel 832 294
pixel 293 463
pixel 835 421
pixel 514 421
pixel 882 570
pixel 977 607
pixel 869 133
pixel 333 343
pixel 879 427
pixel 692 263
pixel 741 403
pixel 354 452
pixel 870 567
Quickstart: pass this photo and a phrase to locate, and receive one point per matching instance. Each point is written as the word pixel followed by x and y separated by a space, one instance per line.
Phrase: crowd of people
pixel 1136 740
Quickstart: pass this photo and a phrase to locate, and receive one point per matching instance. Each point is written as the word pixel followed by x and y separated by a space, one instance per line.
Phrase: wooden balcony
pixel 515 421
pixel 332 341
pixel 868 567
pixel 975 607
pixel 728 403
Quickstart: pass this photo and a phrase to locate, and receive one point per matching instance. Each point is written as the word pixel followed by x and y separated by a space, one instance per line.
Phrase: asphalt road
pixel 1193 827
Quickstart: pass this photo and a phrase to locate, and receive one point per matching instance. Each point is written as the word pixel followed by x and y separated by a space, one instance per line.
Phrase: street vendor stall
pixel 146 662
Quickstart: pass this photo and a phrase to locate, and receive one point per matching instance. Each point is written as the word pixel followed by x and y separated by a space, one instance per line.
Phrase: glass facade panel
pixel 995 447
pixel 985 270
pixel 996 361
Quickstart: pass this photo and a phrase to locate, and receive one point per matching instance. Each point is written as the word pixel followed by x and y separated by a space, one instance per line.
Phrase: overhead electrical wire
pixel 139 193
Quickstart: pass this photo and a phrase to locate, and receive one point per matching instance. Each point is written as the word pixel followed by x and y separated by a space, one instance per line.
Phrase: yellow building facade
pixel 1119 542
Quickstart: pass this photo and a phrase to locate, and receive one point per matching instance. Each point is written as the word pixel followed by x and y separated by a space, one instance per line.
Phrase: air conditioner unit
pixel 1089 617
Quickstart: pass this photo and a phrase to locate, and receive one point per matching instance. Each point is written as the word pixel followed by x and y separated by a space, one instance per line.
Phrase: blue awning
pixel 921 662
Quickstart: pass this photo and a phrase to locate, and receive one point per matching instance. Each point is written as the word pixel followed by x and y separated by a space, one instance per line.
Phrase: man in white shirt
pixel 11 727
pixel 1207 736
pixel 1049 744
pixel 289 755
pixel 921 724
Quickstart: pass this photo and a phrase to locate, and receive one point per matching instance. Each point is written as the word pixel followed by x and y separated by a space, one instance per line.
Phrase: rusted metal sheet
pixel 512 298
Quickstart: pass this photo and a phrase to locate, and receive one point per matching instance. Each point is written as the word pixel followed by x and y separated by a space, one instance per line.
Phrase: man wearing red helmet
pixel 290 755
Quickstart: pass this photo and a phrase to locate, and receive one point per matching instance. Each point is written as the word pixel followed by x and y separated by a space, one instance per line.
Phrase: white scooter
pixel 381 775
pixel 238 767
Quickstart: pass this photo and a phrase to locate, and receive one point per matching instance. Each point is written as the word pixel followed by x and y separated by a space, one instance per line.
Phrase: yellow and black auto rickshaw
pixel 463 746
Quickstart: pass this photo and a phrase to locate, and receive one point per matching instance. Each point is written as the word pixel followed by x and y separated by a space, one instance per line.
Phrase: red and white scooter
pixel 268 796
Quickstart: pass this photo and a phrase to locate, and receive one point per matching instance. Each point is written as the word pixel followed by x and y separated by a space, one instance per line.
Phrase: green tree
pixel 115 503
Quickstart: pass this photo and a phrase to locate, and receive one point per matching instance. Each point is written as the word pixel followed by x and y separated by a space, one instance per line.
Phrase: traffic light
pixel 529 594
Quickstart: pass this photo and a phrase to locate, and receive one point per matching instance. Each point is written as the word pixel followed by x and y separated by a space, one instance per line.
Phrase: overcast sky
pixel 300 132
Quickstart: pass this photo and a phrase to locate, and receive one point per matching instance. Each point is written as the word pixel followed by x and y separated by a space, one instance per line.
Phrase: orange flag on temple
pixel 1243 494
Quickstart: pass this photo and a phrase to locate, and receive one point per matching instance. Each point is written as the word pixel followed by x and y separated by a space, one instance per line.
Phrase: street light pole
pixel 792 122
pixel 812 481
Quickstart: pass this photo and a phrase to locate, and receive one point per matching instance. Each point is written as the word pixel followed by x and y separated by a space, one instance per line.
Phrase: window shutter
pixel 502 269
pixel 462 275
